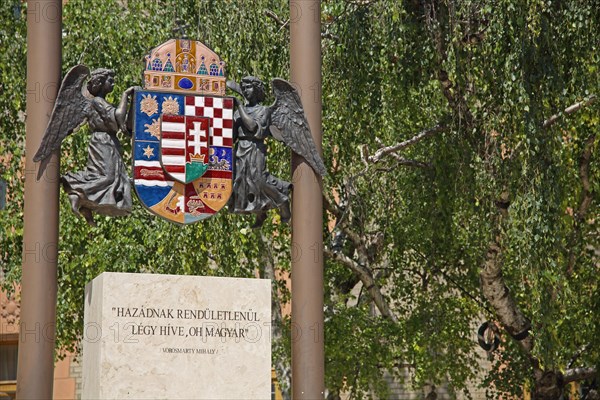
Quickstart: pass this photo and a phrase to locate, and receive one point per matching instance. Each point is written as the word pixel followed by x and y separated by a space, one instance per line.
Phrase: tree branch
pixel 438 21
pixel 285 24
pixel 275 18
pixel 578 354
pixel 359 242
pixel 580 374
pixel 361 270
pixel 410 163
pixel 569 110
pixel 382 152
pixel 592 395
pixel 584 170
pixel 342 223
pixel 497 293
pixel 332 207
pixel 368 281
pixel 586 199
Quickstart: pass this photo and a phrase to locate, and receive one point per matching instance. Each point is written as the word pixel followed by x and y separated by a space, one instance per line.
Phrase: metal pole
pixel 308 360
pixel 35 373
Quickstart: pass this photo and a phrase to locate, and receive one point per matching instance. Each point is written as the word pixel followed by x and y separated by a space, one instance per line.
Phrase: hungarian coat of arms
pixel 183 133
pixel 185 165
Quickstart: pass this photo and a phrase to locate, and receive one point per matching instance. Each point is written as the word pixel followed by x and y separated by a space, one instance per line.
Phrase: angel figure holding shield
pixel 256 190
pixel 103 187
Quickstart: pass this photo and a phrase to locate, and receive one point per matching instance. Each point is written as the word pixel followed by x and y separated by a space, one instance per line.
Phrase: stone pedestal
pixel 149 336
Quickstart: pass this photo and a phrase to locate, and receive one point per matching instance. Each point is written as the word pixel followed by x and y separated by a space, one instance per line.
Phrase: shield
pixel 182 154
pixel 183 133
pixel 184 146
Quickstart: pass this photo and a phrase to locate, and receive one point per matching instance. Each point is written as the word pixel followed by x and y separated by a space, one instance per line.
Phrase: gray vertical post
pixel 307 214
pixel 35 373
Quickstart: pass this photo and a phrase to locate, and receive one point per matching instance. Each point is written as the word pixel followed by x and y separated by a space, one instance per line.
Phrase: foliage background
pixel 489 71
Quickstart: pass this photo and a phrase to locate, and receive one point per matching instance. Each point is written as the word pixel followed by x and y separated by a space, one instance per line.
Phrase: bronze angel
pixel 103 187
pixel 255 190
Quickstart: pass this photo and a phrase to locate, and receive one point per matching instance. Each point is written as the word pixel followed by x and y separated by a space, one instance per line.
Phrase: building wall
pixel 67 372
pixel 9 336
pixel 65 381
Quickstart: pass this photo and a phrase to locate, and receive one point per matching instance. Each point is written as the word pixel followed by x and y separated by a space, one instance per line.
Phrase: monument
pixel 150 336
pixel 284 120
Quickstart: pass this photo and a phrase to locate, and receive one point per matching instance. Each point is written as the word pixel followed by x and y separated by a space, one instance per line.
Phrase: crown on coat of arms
pixel 197 158
pixel 184 66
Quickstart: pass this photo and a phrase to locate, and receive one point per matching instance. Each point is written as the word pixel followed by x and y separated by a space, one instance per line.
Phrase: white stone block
pixel 150 336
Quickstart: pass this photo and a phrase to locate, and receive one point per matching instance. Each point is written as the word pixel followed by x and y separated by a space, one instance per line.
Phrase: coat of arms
pixel 183 133
pixel 185 166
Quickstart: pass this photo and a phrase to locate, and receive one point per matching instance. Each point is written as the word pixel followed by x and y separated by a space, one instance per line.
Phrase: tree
pixel 461 140
pixel 499 195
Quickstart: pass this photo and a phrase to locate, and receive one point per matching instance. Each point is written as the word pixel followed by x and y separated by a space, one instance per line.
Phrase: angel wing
pixel 69 112
pixel 289 125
